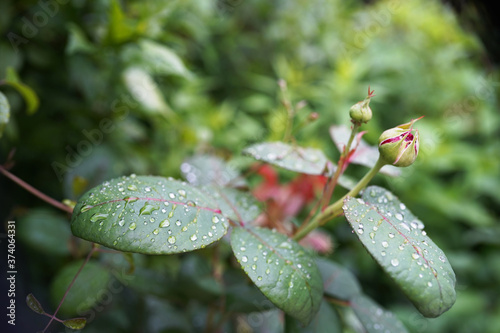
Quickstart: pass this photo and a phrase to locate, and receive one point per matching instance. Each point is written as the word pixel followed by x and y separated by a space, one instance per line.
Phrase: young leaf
pixel 304 160
pixel 374 318
pixel 33 304
pixel 281 269
pixel 397 241
pixel 75 323
pixel 150 215
pixel 30 97
pixel 338 282
pixel 4 112
pixel 364 155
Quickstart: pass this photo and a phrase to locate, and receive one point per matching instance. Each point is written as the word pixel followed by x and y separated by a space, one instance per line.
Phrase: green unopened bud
pixel 361 112
pixel 399 145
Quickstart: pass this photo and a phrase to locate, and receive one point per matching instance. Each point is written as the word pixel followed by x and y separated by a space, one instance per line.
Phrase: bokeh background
pixel 137 86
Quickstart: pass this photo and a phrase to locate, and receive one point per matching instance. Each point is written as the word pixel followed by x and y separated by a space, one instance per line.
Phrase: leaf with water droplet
pixel 338 282
pixel 201 170
pixel 364 155
pixel 160 216
pixel 75 323
pixel 279 268
pixel 403 249
pixel 239 206
pixel 299 159
pixel 374 318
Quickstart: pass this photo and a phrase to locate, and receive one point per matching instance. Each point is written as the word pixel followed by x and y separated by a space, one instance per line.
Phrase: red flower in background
pixel 285 201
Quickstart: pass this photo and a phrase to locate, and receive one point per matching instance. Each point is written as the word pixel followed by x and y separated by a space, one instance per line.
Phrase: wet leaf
pixel 4 112
pixel 374 318
pixel 365 154
pixel 304 160
pixel 75 323
pixel 236 205
pixel 33 304
pixel 89 287
pixel 281 269
pixel 201 170
pixel 146 214
pixel 398 242
pixel 29 95
pixel 338 282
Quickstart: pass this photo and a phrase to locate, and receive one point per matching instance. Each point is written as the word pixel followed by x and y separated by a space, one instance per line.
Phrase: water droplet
pixel 156 231
pixel 193 237
pixel 254 267
pixel 132 226
pixel 399 216
pixel 259 278
pixel 121 189
pixel 171 195
pixel 290 284
pixel 385 244
pixel 442 258
pixel 243 249
pixel 184 228
pixel 244 258
pixel 147 209
pixel 382 253
pixel 429 284
pixel 415 255
pixel 121 222
pixel 285 245
pixel 171 239
pixel 405 226
pixel 85 208
pixel 181 192
pixel 147 189
pixel 394 262
pixel 191 203
pixel 130 199
pixel 268 271
pixel 424 233
pixel 360 231
pixel 372 235
pixel 178 223
pixel 373 193
pixel 165 223
pixel 215 219
pixel 414 225
pixel 402 206
pixel 132 187
pixel 98 217
pixel 391 235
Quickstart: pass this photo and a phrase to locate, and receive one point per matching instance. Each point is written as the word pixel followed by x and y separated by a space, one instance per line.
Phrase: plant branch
pixel 34 191
pixel 335 209
pixel 94 248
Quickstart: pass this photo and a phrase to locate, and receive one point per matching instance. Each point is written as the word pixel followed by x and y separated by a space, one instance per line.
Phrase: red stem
pixel 34 191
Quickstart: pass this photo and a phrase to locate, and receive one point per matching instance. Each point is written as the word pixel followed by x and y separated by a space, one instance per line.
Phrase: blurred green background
pixel 138 86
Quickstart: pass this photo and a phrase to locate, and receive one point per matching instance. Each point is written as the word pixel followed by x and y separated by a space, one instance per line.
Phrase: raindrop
pixel 147 189
pixel 178 223
pixel 184 228
pixel 121 189
pixel 415 255
pixel 98 217
pixel 254 267
pixel 193 237
pixel 182 193
pixel 255 258
pixel 268 271
pixel 191 203
pixel 132 226
pixel 85 208
pixel 399 216
pixel 215 219
pixel 373 193
pixel 131 199
pixel 244 258
pixel 290 284
pixel 402 206
pixel 385 244
pixel 360 231
pixel 414 225
pixel 429 284
pixel 383 253
pixel 171 239
pixel 424 233
pixel 394 262
pixel 121 222
pixel 147 209
pixel 165 223
pixel 171 195
pixel 391 235
pixel 442 258
pixel 285 245
pixel 259 278
pixel 132 187
pixel 405 226
pixel 156 231
pixel 243 249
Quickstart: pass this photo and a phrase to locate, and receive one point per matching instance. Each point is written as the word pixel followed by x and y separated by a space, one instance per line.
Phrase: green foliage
pixel 141 87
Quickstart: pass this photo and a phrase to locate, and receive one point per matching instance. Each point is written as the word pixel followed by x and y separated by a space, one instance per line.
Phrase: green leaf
pixel 201 170
pixel 365 154
pixel 4 112
pixel 326 321
pixel 77 41
pixel 158 59
pixel 338 282
pixel 397 241
pixel 236 205
pixel 304 160
pixel 89 287
pixel 75 323
pixel 30 97
pixel 33 304
pixel 119 29
pixel 374 318
pixel 281 269
pixel 147 214
pixel 45 231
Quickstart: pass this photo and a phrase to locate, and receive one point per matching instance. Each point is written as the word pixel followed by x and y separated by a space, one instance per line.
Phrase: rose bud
pixel 361 112
pixel 399 145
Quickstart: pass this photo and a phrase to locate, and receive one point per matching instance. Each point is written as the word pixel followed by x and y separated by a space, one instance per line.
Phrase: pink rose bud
pixel 399 145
